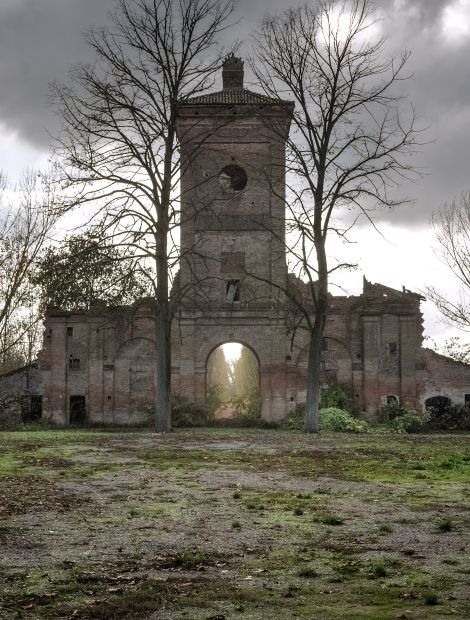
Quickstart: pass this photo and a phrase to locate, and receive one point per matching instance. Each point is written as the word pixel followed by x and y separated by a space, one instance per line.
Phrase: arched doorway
pixel 437 403
pixel 233 382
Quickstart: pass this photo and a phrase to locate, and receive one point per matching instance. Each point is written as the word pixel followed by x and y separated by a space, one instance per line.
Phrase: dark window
pixel 232 291
pixel 467 399
pixel 77 410
pixel 232 178
pixel 392 400
pixel 438 403
pixel 324 344
pixel 74 363
pixel 31 408
pixel 69 331
pixel 392 347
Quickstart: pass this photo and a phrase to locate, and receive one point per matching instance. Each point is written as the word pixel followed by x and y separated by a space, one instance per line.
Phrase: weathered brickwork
pixel 232 268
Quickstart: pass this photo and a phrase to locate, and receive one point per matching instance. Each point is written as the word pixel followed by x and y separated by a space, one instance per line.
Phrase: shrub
pixel 307 572
pixel 431 598
pixel 402 419
pixel 185 412
pixel 445 525
pixel 339 396
pixel 332 520
pixel 379 570
pixel 295 420
pixel 333 419
pixel 330 419
pixel 453 418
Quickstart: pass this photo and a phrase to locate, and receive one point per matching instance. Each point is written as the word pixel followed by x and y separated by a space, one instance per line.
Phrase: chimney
pixel 232 72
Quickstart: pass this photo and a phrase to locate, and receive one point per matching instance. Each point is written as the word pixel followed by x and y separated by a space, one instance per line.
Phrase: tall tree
pixel 84 268
pixel 26 223
pixel 120 141
pixel 348 141
pixel 452 229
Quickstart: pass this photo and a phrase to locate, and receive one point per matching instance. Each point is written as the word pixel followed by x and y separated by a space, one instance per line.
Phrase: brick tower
pixel 232 231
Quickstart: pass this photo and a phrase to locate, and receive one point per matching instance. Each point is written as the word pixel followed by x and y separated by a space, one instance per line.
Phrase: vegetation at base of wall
pixel 402 419
pixel 453 418
pixel 186 413
pixel 340 421
pixel 330 419
pixel 339 396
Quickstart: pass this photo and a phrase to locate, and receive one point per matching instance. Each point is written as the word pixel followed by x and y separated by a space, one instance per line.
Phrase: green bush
pixel 186 413
pixel 338 396
pixel 295 420
pixel 330 419
pixel 340 421
pixel 402 419
pixel 453 418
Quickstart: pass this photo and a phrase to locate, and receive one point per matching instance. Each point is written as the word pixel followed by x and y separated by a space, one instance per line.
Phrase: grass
pixel 431 598
pixel 123 524
pixel 384 529
pixel 445 525
pixel 332 520
pixel 378 569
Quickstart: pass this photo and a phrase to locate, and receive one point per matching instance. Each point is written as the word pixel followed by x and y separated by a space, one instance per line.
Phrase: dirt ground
pixel 233 524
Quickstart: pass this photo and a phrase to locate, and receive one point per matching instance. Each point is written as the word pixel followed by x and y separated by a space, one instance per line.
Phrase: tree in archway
pixel 218 377
pixel 349 141
pixel 246 373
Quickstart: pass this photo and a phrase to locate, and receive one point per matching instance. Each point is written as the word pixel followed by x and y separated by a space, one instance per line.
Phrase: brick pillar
pixel 409 345
pixel 371 358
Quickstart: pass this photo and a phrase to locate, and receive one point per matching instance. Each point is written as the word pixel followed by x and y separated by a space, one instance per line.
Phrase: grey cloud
pixel 38 43
pixel 39 40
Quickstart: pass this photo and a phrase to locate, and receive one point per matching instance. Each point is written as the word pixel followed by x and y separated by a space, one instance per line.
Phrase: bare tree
pixel 348 143
pixel 120 140
pixel 452 229
pixel 26 222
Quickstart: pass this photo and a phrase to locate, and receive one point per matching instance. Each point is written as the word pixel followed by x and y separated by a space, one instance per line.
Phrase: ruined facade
pixel 99 365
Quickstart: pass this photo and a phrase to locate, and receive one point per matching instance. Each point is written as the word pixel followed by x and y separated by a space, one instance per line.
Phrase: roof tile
pixel 234 96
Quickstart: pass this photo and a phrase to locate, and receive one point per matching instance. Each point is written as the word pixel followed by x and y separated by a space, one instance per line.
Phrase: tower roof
pixel 233 92
pixel 235 96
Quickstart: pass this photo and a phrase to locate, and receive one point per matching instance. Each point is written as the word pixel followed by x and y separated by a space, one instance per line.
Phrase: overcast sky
pixel 40 39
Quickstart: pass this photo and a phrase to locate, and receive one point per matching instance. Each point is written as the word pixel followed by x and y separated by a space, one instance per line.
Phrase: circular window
pixel 232 178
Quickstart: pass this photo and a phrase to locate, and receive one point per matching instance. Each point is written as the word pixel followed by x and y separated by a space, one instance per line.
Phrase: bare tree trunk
pixel 313 376
pixel 162 371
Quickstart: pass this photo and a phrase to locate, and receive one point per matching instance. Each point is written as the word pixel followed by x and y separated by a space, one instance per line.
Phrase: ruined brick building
pixel 100 363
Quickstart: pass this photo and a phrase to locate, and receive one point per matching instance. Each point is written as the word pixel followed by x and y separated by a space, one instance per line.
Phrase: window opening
pixel 69 331
pixel 438 403
pixel 467 399
pixel 232 291
pixel 392 347
pixel 74 363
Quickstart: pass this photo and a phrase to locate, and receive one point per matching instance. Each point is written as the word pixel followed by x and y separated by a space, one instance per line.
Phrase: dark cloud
pixel 39 40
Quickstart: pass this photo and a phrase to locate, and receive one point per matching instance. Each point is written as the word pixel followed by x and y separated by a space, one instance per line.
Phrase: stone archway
pixel 232 381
